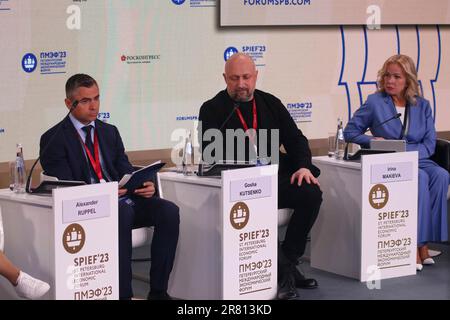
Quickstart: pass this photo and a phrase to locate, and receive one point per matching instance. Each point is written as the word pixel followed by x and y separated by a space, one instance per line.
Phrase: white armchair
pixel 141 237
pixel 284 215
pixel 44 177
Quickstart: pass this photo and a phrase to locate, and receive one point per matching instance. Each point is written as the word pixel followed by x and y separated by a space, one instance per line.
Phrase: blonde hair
pixel 407 65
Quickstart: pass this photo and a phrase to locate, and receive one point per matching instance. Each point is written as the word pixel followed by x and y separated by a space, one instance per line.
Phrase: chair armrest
pixel 442 154
pixel 45 177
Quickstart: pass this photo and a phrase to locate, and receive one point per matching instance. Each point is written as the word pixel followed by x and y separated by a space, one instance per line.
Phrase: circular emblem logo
pixel 73 238
pixel 229 52
pixel 239 215
pixel 178 2
pixel 378 196
pixel 123 58
pixel 29 62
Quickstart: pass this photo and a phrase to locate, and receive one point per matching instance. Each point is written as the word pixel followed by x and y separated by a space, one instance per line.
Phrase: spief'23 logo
pixel 29 62
pixel 229 52
pixel 378 196
pixel 239 215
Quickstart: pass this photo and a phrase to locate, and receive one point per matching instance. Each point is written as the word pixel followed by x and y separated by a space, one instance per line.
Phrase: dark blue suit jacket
pixel 65 157
pixel 421 134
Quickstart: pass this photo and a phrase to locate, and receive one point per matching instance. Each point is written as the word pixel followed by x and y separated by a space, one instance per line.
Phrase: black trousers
pixel 164 216
pixel 305 200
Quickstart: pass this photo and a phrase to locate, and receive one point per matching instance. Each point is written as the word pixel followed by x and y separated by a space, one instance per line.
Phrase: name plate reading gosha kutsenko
pixel 253 188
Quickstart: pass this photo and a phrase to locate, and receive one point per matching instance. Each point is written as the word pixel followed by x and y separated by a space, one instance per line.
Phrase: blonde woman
pixel 398 92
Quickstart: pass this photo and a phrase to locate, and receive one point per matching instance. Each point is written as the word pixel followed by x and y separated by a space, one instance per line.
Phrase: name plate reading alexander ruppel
pixel 391 172
pixel 250 188
pixel 86 208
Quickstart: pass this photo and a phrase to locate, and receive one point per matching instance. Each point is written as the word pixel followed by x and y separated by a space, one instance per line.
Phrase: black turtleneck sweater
pixel 271 114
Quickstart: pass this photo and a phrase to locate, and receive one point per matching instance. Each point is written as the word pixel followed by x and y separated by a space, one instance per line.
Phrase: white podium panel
pixel 367 227
pixel 86 242
pixel 28 238
pixel 250 233
pixel 69 240
pixel 389 215
pixel 211 261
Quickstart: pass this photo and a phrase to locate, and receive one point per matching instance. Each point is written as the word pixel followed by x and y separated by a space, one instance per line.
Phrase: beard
pixel 243 95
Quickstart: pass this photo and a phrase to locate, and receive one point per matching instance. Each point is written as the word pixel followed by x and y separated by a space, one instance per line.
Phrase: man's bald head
pixel 240 76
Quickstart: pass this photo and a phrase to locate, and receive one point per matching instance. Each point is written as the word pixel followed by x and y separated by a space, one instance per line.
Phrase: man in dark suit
pixel 239 107
pixel 85 149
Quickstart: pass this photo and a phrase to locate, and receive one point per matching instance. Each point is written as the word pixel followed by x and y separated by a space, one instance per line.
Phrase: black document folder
pixel 136 179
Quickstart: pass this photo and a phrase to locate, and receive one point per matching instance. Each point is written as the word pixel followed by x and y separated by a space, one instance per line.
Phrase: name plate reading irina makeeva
pixel 391 172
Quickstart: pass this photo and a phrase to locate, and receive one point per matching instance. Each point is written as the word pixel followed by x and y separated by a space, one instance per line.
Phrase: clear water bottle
pixel 340 141
pixel 19 172
pixel 188 156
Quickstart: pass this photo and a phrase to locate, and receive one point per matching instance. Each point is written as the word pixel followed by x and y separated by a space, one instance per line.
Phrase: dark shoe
pixel 286 286
pixel 158 296
pixel 302 282
pixel 286 281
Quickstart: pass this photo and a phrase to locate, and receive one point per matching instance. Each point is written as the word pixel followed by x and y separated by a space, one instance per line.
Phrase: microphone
pixel 236 106
pixel 72 107
pixel 346 156
pixel 28 188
